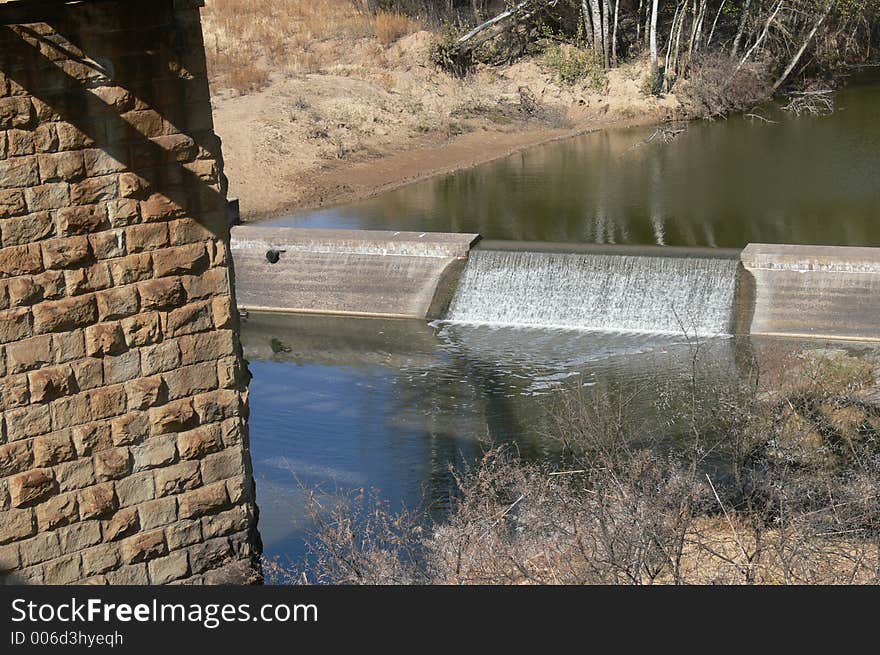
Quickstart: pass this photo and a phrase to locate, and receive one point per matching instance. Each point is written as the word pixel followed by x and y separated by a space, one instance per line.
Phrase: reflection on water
pixel 721 184
pixel 347 403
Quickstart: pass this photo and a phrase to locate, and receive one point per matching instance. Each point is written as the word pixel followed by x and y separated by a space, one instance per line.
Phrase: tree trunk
pixel 597 27
pixel 614 34
pixel 653 37
pixel 638 21
pixel 606 31
pixel 588 23
pixel 714 23
pixel 741 28
pixel 804 45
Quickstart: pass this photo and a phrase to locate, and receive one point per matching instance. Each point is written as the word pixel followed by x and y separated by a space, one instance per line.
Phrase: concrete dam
pixel 765 289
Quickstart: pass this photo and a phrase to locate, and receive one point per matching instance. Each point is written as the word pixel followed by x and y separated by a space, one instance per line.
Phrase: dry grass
pixel 392 26
pixel 248 42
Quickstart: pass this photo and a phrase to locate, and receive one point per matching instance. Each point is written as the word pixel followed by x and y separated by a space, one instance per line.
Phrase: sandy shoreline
pixel 390 119
pixel 351 181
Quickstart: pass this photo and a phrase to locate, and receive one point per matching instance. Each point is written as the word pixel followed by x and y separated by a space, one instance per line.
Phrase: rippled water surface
pixel 345 403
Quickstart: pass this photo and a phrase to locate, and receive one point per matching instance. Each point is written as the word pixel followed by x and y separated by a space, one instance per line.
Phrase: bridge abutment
pixel 124 454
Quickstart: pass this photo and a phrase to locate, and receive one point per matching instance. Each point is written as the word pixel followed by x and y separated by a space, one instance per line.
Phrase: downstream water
pixel 345 403
pixel 723 183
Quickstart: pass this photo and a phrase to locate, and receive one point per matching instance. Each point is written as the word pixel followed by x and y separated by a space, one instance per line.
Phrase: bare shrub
pixel 716 86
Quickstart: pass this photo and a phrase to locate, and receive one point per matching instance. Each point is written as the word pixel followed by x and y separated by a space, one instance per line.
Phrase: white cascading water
pixel 674 295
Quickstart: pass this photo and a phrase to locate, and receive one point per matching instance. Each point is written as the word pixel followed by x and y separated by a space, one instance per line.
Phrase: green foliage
pixel 573 65
pixel 446 54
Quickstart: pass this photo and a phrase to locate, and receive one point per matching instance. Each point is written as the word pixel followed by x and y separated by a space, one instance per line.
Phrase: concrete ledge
pixel 811 291
pixel 349 272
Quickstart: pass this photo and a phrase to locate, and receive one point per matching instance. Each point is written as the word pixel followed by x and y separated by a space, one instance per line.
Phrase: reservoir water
pixel 719 184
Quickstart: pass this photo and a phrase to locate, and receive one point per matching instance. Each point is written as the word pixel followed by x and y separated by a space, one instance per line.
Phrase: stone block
pixel 181 260
pixel 85 219
pixel 15 457
pixel 104 339
pixel 217 405
pixel 66 253
pixel 25 422
pixel 79 536
pixel 29 354
pixel 23 230
pixel 57 511
pixel 122 368
pixel 112 464
pixel 157 513
pixel 172 567
pixel 183 533
pixel 178 478
pixel 173 417
pixel 93 190
pixel 162 294
pixel 67 314
pixel 31 487
pixel 108 244
pixel 117 303
pixel 207 346
pixel 160 358
pixel 195 317
pixel 142 330
pixel 123 523
pixel 54 195
pixel 210 554
pixel 146 237
pixel 97 501
pixel 206 500
pixel 199 442
pixel 52 449
pixel 91 438
pixel 63 570
pixel 51 383
pixel 20 260
pixel 88 373
pixel 131 269
pixel 135 489
pixel 86 280
pixel 17 524
pixel 146 392
pixel 154 452
pixel 144 546
pixel 100 559
pixel 130 428
pixel 19 172
pixel 78 474
pixel 61 167
pixel 191 380
pixel 15 324
pixel 105 402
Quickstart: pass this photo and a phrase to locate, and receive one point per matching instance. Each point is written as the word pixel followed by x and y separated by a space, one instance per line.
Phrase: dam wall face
pixel 824 292
pixel 124 454
pixel 352 272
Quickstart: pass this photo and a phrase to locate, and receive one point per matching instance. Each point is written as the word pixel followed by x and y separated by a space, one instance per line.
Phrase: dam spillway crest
pixel 597 292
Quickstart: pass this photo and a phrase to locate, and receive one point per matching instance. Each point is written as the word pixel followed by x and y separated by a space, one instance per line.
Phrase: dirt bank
pixel 373 118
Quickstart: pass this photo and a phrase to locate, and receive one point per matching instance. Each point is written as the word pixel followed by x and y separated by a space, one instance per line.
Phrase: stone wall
pixel 124 452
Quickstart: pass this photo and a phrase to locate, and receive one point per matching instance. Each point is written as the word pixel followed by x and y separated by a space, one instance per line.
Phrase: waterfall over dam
pixel 615 292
